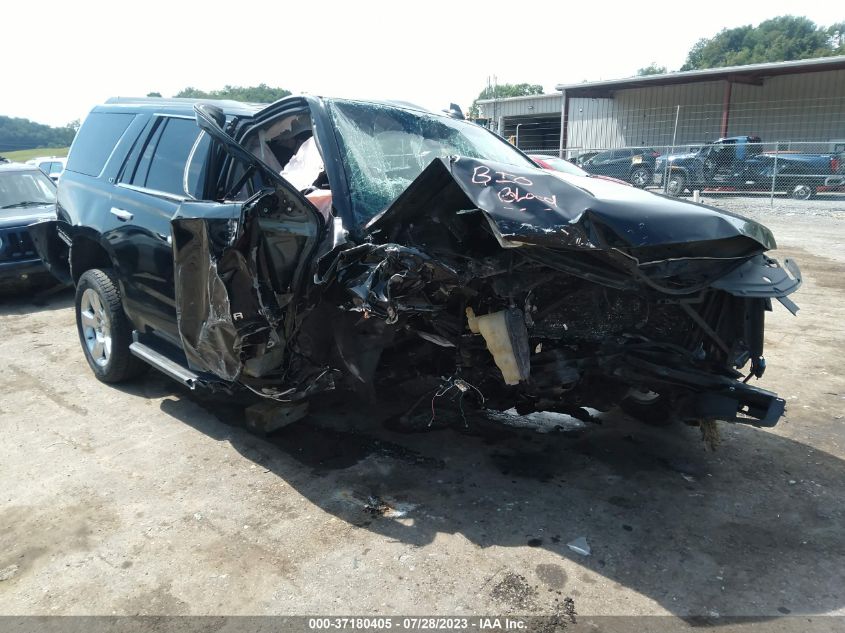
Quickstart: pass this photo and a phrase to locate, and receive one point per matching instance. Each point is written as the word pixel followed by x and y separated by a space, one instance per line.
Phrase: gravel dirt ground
pixel 146 499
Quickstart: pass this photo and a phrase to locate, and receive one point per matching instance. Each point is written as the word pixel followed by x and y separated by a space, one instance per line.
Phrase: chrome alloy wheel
pixel 640 177
pixel 96 329
pixel 802 192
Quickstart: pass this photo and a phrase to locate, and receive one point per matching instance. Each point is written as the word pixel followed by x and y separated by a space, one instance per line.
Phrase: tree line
pixel 17 133
pixel 262 93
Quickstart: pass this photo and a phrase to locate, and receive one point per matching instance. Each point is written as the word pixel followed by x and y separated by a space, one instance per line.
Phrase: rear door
pixel 615 163
pixel 600 164
pixel 151 185
pixel 721 166
pixel 620 164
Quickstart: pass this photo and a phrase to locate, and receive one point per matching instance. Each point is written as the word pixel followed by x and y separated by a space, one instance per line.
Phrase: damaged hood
pixel 527 205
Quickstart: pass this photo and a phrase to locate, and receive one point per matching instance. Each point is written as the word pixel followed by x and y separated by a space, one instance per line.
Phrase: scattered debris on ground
pixel 393 510
pixel 580 546
pixel 7 573
pixel 514 591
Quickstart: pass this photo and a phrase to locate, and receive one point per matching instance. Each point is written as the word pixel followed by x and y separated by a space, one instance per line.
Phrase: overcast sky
pixel 69 56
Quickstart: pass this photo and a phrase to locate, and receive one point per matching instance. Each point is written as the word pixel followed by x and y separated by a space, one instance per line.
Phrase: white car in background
pixel 53 166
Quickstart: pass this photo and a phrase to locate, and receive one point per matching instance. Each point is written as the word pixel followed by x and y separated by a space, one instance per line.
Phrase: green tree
pixel 501 91
pixel 262 93
pixel 784 38
pixel 651 69
pixel 153 94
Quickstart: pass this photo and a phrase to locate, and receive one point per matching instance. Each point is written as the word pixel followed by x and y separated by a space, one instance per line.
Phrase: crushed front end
pixel 543 294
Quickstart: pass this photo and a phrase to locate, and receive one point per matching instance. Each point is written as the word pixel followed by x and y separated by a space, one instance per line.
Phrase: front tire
pixel 104 330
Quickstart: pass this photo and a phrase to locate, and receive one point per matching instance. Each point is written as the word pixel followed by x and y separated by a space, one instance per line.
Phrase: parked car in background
pixel 26 196
pixel 316 244
pixel 53 166
pixel 583 157
pixel 740 163
pixel 553 163
pixel 631 164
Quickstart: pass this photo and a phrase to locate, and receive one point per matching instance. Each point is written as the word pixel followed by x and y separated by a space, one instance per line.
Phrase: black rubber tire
pixel 642 181
pixel 121 365
pixel 680 187
pixel 655 413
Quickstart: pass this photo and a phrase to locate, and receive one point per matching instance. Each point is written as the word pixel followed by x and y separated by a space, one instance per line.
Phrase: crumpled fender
pixel 52 241
pixel 761 277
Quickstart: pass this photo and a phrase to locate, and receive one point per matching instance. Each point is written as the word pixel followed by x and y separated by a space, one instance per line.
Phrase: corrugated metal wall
pixel 806 107
pixel 646 116
pixel 809 107
pixel 522 106
pixel 790 108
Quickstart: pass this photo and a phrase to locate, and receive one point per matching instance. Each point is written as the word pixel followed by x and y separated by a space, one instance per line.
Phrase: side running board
pixel 164 364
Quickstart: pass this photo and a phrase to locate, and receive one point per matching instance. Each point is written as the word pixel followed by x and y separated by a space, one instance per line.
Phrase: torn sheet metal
pixel 204 309
pixel 761 276
pixel 388 279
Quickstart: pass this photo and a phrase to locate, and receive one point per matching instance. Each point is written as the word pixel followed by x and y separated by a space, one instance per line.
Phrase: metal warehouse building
pixel 786 104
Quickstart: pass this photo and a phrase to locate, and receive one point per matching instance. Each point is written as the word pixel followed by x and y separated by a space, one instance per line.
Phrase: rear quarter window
pixel 95 141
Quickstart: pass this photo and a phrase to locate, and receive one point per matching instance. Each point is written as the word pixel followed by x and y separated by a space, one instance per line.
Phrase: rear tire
pixel 104 330
pixel 676 184
pixel 647 407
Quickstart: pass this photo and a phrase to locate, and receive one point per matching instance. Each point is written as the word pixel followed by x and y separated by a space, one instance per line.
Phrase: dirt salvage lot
pixel 146 499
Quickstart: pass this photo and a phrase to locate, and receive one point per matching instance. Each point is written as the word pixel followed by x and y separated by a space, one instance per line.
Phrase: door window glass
pixel 198 168
pixel 138 164
pixel 167 166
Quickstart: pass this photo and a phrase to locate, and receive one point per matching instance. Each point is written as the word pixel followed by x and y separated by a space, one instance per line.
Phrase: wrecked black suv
pixel 321 244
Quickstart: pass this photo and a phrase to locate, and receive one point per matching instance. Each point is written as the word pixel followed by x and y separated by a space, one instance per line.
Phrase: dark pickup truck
pixel 740 163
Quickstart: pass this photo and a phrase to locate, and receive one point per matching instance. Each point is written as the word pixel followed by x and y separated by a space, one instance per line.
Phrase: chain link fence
pixel 788 151
pixel 785 174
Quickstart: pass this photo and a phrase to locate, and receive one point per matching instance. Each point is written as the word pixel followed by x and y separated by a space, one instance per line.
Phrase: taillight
pixel 834 164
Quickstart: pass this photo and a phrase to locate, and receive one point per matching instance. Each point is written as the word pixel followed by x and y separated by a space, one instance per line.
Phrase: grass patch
pixel 21 156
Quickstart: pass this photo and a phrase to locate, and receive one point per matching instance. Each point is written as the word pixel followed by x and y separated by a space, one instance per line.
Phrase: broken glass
pixel 385 148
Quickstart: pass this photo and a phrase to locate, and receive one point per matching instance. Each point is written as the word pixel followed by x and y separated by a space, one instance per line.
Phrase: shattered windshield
pixel 385 148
